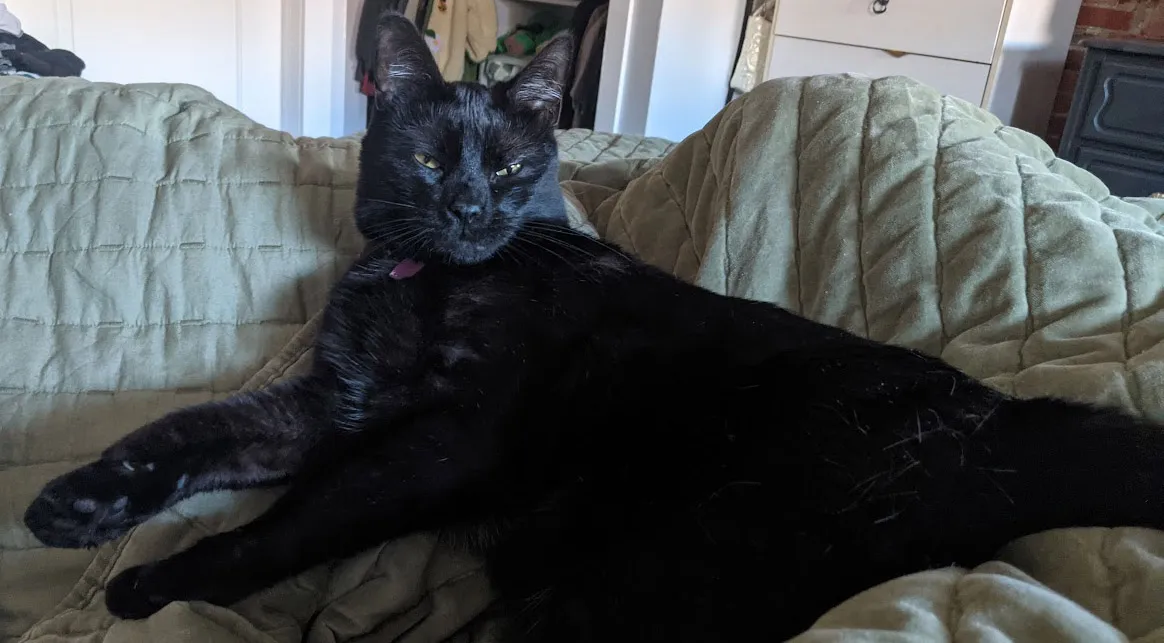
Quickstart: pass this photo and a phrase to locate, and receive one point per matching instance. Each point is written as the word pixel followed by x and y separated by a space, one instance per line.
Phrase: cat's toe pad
pixel 84 508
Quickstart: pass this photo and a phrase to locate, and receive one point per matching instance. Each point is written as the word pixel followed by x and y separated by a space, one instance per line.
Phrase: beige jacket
pixel 463 28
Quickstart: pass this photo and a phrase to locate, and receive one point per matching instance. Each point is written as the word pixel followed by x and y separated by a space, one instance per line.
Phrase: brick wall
pixel 1102 19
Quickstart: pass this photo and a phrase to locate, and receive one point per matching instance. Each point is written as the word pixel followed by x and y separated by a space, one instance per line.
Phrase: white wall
pixel 667 64
pixel 332 102
pixel 628 62
pixel 693 64
pixel 288 64
pixel 1035 47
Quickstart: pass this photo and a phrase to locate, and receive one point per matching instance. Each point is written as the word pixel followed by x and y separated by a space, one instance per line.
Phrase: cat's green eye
pixel 509 170
pixel 427 161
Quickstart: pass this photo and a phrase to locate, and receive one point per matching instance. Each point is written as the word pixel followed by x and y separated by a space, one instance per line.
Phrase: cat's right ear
pixel 404 62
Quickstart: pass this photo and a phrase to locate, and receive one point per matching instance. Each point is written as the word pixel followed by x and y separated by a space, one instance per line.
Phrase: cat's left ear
pixel 540 87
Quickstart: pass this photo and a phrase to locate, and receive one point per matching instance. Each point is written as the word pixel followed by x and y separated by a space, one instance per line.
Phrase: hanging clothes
pixel 584 91
pixel 458 29
pixel 580 22
pixel 527 38
pixel 754 44
pixel 499 68
pixel 26 55
pixel 9 23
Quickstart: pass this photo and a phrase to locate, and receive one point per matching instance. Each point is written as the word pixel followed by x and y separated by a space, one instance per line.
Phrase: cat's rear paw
pixel 136 593
pixel 193 575
pixel 94 504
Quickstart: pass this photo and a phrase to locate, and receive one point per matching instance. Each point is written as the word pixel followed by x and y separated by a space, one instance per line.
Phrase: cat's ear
pixel 403 60
pixel 540 87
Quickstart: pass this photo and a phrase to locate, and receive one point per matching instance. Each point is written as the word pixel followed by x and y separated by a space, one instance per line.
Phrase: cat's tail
pixel 1064 464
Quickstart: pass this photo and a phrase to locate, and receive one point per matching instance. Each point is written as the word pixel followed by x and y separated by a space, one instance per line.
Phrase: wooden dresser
pixel 1115 129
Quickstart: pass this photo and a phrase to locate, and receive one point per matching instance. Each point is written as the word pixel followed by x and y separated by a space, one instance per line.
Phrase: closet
pixel 654 67
pixel 586 18
pixel 490 41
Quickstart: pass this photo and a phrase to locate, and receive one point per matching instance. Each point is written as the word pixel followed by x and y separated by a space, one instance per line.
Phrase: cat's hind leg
pixel 1063 464
pixel 247 440
pixel 965 485
pixel 904 463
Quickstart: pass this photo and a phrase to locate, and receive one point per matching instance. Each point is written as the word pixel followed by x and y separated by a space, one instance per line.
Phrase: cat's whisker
pixel 582 235
pixel 416 242
pixel 403 230
pixel 562 244
pixel 505 253
pixel 577 233
pixel 581 273
pixel 394 233
pixel 407 239
pixel 529 249
pixel 394 224
pixel 518 252
pixel 548 234
pixel 395 203
pixel 532 244
pixel 543 248
pixel 410 246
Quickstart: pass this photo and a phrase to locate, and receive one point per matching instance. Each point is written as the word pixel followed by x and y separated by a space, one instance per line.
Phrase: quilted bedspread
pixel 159 249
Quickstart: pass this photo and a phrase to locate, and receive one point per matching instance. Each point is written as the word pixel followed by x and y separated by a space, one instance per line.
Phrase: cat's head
pixel 450 171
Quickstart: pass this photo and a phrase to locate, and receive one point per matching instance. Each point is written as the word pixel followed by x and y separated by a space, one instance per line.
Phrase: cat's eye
pixel 427 161
pixel 509 170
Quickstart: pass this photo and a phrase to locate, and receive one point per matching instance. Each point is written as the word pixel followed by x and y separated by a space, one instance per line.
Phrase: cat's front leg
pixel 423 476
pixel 247 440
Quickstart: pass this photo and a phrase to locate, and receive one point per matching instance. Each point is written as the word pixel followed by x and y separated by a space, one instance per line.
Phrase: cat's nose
pixel 465 211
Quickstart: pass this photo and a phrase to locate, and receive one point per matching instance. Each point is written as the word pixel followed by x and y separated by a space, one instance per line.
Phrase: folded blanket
pixel 158 249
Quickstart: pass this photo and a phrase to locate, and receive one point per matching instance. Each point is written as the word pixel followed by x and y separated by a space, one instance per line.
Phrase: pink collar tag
pixel 406 269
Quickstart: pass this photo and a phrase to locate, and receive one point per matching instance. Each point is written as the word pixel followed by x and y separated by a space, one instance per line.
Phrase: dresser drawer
pixel 959 29
pixel 1124 172
pixel 1126 103
pixel 796 57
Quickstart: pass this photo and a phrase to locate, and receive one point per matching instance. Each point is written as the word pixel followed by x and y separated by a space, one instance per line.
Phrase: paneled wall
pixel 284 63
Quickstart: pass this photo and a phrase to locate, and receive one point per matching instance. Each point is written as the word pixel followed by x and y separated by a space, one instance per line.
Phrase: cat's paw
pixel 94 504
pixel 192 575
pixel 138 592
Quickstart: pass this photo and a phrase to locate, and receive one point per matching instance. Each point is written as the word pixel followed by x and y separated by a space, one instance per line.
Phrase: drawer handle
pixel 879 7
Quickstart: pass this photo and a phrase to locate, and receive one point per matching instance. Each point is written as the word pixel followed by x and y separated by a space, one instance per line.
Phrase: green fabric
pixel 158 249
pixel 914 219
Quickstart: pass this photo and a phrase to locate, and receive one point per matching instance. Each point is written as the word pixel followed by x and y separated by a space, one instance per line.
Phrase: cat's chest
pixel 438 309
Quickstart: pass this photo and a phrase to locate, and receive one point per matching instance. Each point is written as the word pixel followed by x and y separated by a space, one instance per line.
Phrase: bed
pixel 159 249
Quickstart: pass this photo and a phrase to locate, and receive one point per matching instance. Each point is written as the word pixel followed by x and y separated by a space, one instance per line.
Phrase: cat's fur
pixel 637 459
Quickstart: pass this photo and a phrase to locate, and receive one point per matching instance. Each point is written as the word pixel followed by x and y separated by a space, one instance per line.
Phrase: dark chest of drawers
pixel 1115 129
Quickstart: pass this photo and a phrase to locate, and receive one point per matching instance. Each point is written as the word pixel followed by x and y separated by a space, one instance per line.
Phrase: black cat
pixel 637 459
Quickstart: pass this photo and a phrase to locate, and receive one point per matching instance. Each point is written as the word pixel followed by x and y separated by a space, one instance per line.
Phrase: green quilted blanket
pixel 158 249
